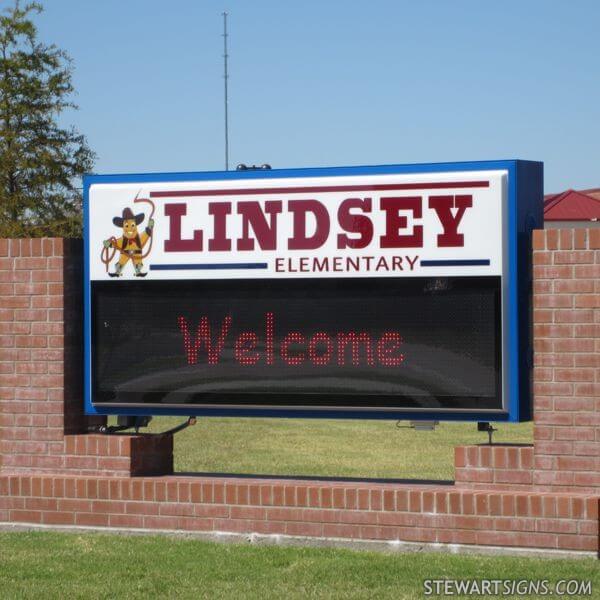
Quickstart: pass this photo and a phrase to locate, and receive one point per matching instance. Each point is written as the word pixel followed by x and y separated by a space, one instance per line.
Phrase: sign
pixel 380 292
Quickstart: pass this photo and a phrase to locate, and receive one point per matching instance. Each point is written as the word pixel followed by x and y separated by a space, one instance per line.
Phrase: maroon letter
pixel 355 223
pixel 266 234
pixel 299 208
pixel 443 207
pixel 220 241
pixel 175 243
pixel 395 221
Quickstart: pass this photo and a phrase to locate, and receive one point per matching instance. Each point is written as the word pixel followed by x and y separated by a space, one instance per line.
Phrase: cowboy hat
pixel 128 216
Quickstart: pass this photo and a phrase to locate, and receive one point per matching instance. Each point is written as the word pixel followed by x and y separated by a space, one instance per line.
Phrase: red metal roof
pixel 572 206
pixel 594 193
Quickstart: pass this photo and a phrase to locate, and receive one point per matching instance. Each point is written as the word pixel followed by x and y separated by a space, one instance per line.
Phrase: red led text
pixel 344 348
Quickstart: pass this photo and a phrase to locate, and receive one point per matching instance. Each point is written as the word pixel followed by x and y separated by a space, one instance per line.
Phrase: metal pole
pixel 226 77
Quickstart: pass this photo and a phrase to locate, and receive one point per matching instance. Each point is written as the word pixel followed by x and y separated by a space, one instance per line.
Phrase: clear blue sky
pixel 322 83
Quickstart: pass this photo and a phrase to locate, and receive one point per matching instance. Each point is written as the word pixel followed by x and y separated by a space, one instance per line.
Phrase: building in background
pixel 572 209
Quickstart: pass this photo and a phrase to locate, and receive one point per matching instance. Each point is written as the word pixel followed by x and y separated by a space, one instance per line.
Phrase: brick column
pixel 567 359
pixel 42 425
pixel 40 328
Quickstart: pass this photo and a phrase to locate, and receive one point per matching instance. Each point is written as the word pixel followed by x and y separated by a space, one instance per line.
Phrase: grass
pixel 326 447
pixel 60 565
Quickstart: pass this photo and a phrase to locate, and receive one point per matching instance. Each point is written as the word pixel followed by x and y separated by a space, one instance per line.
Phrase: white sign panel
pixel 401 225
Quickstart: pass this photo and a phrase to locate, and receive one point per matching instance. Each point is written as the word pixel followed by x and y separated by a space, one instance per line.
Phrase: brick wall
pixel 567 359
pixel 40 333
pixel 41 412
pixel 425 513
pixel 566 321
pixel 52 472
pixel 119 455
pixel 502 466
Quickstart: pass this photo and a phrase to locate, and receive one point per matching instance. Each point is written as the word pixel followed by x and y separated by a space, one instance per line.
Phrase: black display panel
pixel 364 343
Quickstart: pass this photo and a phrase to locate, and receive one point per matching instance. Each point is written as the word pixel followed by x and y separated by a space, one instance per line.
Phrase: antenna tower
pixel 225 78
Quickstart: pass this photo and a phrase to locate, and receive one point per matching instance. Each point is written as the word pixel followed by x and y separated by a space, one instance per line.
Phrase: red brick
pixel 306 496
pixel 266 495
pixel 580 239
pixel 326 498
pixel 554 301
pixel 553 388
pixel 177 509
pixel 542 258
pixel 579 463
pixel 587 330
pixel 472 456
pixel 92 519
pixel 428 501
pixel 124 520
pixel 231 494
pixel 352 499
pixel 574 257
pixel 554 272
pixel 543 374
pixel 565 241
pixel 141 508
pixel 593 235
pixel 588 389
pixel 513 476
pixel 553 330
pixel 574 433
pixel 553 447
pixel 26 516
pixel 575 345
pixel 543 315
pixel 539 239
pixel 278 495
pixel 554 418
pixel 574 404
pixel 552 239
pixel 460 459
pixel 495 504
pixel 245 512
pixel 414 501
pixel 363 499
pixel 441 502
pixel 536 508
pixel 586 271
pixel 58 518
pixel 587 448
pixel 587 360
pixel 389 500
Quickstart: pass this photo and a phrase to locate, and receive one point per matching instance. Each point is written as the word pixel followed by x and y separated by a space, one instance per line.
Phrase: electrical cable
pixel 118 429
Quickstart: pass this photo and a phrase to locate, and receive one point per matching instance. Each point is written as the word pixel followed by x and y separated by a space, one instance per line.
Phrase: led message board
pixel 372 292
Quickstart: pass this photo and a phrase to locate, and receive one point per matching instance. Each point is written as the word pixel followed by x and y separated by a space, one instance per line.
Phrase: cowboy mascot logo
pixel 130 245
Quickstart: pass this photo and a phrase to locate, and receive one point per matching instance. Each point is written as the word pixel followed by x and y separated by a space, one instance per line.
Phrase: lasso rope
pixel 107 254
pixel 148 201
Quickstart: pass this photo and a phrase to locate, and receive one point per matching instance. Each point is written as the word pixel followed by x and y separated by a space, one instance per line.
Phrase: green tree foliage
pixel 40 162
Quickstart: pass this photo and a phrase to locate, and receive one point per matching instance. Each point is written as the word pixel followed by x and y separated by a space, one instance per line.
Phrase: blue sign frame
pixel 525 213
